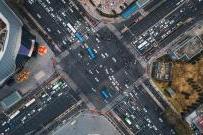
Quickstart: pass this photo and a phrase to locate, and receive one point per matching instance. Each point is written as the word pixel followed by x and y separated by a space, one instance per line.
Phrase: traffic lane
pixel 180 15
pixel 147 101
pixel 170 38
pixel 119 124
pixel 85 86
pixel 153 17
pixel 142 112
pixel 155 93
pixel 133 19
pixel 152 108
pixel 41 119
pixel 151 5
pixel 49 24
pixel 121 112
pixel 166 26
pixel 42 100
pixel 88 70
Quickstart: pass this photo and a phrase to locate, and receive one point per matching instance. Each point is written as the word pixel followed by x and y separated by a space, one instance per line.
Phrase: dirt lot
pixel 187 82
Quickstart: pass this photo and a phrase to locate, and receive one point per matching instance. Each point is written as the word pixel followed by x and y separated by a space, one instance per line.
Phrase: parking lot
pixel 41 109
pixel 141 114
pixel 110 67
pixel 61 20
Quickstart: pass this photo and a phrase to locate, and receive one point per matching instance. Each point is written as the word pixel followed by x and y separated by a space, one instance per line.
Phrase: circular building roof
pixel 11 43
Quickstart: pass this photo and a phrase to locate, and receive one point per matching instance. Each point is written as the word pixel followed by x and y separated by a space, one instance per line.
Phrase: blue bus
pixel 129 11
pixel 91 53
pixel 105 94
pixel 79 37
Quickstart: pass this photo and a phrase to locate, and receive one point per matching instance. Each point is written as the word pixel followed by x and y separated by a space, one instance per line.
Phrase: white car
pixel 96 79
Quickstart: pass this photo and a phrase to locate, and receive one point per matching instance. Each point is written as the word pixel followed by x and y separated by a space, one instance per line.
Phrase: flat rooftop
pixel 191 48
pixel 87 124
pixel 10 100
pixel 107 6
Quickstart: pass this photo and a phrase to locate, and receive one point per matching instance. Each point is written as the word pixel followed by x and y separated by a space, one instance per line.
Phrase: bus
pixel 14 115
pixel 91 53
pixel 79 37
pixel 30 102
pixel 105 94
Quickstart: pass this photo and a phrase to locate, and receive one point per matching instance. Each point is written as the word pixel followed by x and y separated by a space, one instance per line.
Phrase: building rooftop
pixel 189 49
pixel 3 34
pixel 11 42
pixel 10 100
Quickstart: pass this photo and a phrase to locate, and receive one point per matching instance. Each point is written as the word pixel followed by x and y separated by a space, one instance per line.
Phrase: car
pixel 47 9
pixel 97 71
pixel 4 123
pixel 60 94
pixel 149 125
pixel 103 56
pixel 39 16
pixel 106 54
pixel 111 70
pixel 117 88
pixel 98 41
pixel 155 128
pixel 95 50
pixel 52 92
pixel 93 89
pixel 79 55
pixel 127 114
pixel 133 107
pixel 96 79
pixel 52 15
pixel 63 13
pixel 161 120
pixel 137 126
pixel 114 59
pixel 126 85
pixel 107 71
pixel 48 2
pixel 145 110
pixel 148 120
pixel 131 94
pixel 39 109
pixel 133 116
pixel 6 130
pixel 51 9
pixel 24 118
pixel 48 99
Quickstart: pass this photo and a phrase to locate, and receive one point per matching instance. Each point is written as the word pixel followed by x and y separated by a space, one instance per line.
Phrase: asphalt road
pixel 143 113
pixel 60 19
pixel 112 59
pixel 52 101
pixel 158 32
